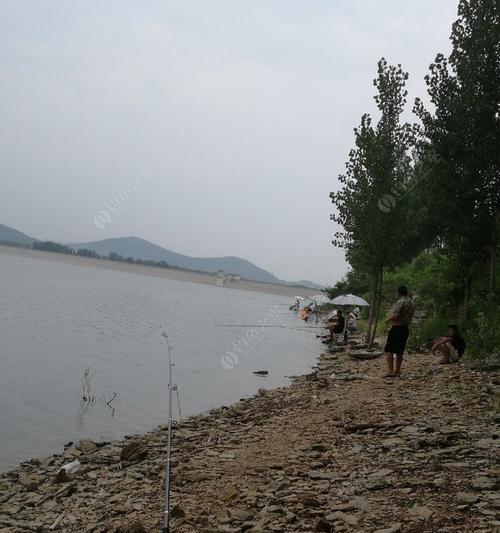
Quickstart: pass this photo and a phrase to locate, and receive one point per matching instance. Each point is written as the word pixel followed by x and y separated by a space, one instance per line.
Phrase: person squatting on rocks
pixel 400 320
pixel 451 345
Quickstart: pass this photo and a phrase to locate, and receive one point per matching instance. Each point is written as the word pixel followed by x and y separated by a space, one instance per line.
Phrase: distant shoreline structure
pixel 177 274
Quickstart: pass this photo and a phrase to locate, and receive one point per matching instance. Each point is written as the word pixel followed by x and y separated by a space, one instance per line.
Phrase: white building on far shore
pixel 225 277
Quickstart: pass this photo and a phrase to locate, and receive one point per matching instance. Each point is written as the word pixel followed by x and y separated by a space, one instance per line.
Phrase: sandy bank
pixel 339 450
pixel 165 273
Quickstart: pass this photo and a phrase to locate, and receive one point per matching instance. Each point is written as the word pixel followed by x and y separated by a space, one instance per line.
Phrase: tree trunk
pixel 372 307
pixel 467 289
pixel 378 302
pixel 491 292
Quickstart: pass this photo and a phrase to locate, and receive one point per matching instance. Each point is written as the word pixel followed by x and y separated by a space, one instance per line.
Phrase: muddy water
pixel 81 351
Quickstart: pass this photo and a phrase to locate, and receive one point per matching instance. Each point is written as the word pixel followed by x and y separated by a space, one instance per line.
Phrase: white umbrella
pixel 320 299
pixel 349 299
pixel 299 298
pixel 330 315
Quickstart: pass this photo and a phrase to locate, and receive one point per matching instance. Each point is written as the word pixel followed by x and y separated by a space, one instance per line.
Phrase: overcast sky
pixel 240 112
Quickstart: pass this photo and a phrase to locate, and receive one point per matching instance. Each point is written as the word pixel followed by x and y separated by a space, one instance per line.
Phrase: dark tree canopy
pixel 464 131
pixel 373 206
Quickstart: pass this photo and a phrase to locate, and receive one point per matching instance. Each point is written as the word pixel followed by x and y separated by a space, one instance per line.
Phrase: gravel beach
pixel 338 450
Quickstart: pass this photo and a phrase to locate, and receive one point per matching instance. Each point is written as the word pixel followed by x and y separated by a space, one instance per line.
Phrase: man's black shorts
pixel 396 340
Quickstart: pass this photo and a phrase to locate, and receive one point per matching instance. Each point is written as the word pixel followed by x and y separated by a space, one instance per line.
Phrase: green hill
pixel 10 235
pixel 142 249
pixel 145 250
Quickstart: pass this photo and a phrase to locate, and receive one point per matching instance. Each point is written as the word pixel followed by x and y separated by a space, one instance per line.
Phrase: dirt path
pixel 339 450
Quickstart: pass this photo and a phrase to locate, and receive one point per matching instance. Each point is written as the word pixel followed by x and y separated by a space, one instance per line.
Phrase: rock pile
pixel 339 450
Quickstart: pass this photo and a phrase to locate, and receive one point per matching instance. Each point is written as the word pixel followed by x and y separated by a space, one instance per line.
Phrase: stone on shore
pixel 86 446
pixel 135 450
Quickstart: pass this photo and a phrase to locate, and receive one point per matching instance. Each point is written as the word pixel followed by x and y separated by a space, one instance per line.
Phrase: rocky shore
pixel 338 450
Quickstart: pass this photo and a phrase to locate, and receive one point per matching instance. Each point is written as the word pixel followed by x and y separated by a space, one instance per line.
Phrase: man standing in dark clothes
pixel 400 319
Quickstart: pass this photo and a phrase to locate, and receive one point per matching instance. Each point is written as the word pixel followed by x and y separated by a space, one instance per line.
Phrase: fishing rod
pixel 265 326
pixel 171 388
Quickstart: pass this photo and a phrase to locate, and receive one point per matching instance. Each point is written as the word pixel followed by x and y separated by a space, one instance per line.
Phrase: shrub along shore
pixel 340 449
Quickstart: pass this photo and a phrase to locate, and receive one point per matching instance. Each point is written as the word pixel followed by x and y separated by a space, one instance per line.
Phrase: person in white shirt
pixel 351 322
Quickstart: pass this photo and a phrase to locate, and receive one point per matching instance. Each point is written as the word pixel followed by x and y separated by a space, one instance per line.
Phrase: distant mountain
pixel 142 249
pixel 11 235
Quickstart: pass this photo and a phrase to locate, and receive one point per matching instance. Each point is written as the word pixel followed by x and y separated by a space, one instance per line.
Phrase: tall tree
pixel 370 206
pixel 464 135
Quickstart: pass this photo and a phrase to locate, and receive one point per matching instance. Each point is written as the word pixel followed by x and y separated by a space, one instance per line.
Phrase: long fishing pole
pixel 171 387
pixel 264 326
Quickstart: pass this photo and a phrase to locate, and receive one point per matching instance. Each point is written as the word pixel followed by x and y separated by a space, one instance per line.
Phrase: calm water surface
pixel 81 352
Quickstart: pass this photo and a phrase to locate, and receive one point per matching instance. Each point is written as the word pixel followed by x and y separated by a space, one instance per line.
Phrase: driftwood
pixel 364 355
pixel 63 491
pixel 57 521
pixel 336 349
pixel 353 428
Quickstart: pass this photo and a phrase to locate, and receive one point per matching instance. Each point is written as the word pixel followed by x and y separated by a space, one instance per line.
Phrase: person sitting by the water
pixel 451 345
pixel 337 325
pixel 313 313
pixel 351 322
pixel 304 314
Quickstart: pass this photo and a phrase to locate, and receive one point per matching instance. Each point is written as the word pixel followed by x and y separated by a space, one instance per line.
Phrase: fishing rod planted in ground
pixel 171 388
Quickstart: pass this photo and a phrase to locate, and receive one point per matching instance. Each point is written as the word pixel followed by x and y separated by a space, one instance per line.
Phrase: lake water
pixel 81 351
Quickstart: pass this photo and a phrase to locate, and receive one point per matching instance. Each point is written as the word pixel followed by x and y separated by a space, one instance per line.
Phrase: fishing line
pixel 171 423
pixel 178 404
pixel 265 326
